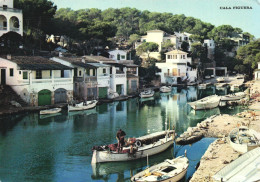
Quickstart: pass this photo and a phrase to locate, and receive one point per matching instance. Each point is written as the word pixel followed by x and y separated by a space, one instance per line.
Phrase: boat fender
pixel 138 143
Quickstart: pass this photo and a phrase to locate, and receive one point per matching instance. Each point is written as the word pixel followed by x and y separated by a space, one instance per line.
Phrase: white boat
pixel 221 79
pixel 82 106
pixel 146 145
pixel 50 111
pixel 202 86
pixel 243 139
pixel 113 95
pixel 207 77
pixel 146 93
pixel 244 168
pixel 205 103
pixel 234 96
pixel 165 89
pixel 170 170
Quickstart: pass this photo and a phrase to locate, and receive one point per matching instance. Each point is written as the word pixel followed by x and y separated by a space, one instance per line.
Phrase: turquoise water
pixel 58 148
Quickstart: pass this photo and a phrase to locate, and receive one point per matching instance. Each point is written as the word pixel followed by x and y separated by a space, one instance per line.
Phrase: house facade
pixel 85 77
pixel 118 55
pixel 210 44
pixel 11 19
pixel 183 37
pixel 159 37
pixel 176 68
pixel 37 80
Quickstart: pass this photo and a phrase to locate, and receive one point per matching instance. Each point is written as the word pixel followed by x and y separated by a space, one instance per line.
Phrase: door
pixel 174 72
pixel 119 89
pixel 102 92
pixel 60 96
pixel 3 77
pixel 134 85
pixel 44 98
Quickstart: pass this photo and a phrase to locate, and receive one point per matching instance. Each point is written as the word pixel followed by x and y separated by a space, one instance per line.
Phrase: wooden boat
pixel 234 96
pixel 220 79
pixel 83 106
pixel 205 103
pixel 146 93
pixel 165 89
pixel 141 147
pixel 243 139
pixel 244 168
pixel 50 111
pixel 202 86
pixel 170 170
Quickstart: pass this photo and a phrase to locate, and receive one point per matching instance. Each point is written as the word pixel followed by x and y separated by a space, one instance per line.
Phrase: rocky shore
pixel 220 153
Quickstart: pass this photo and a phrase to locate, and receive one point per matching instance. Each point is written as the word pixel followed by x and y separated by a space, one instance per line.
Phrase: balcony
pixel 3 28
pixel 13 10
pixel 131 72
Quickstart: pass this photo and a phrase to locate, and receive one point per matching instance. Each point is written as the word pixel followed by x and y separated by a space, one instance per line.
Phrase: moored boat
pixel 234 96
pixel 170 170
pixel 146 93
pixel 234 87
pixel 202 86
pixel 82 106
pixel 50 111
pixel 137 148
pixel 165 89
pixel 243 139
pixel 205 103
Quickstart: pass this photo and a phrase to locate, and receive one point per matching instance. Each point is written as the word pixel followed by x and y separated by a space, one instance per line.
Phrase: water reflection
pixel 58 148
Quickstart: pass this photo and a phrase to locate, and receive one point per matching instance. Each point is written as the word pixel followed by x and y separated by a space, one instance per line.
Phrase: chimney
pixel 9 57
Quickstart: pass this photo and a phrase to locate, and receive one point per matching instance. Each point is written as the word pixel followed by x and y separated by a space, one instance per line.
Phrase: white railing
pixel 119 75
pixel 55 80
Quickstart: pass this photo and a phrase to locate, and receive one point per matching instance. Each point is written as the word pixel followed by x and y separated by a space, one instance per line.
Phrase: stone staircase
pixel 7 94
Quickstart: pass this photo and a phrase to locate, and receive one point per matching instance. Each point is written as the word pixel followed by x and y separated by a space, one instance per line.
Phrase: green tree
pixel 147 47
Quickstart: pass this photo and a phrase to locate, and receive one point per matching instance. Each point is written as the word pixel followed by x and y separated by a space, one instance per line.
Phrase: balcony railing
pixel 90 78
pixel 131 72
pixel 11 10
pixel 3 28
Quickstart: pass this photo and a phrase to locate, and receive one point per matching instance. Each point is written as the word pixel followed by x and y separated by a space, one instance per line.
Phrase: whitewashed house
pixel 85 77
pixel 176 68
pixel 183 37
pixel 118 55
pixel 159 37
pixel 210 44
pixel 37 80
pixel 11 19
pixel 257 72
pixel 117 73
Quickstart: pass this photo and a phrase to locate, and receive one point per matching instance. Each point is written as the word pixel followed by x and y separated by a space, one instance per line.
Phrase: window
pixel 25 75
pixel 38 74
pixel 118 56
pixel 88 71
pixel 20 72
pixel 144 40
pixel 50 73
pixel 169 56
pixel 79 73
pixel 62 73
pixel 183 56
pixel 104 70
pixel 122 56
pixel 94 72
pixel 11 72
pixel 4 6
pixel 75 72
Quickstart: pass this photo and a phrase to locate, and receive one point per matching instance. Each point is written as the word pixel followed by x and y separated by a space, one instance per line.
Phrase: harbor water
pixel 58 148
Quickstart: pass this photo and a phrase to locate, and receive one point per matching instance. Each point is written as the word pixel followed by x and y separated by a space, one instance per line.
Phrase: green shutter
pixel 119 89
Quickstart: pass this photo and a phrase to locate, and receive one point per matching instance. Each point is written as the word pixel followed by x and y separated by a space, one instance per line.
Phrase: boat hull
pixel 234 97
pixel 142 95
pixel 204 105
pixel 80 108
pixel 50 111
pixel 106 156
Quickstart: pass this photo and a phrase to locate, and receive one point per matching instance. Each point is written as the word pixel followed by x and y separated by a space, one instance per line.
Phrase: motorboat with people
pixel 147 93
pixel 165 89
pixel 134 148
pixel 243 139
pixel 82 106
pixel 170 170
pixel 205 103
pixel 50 111
pixel 233 96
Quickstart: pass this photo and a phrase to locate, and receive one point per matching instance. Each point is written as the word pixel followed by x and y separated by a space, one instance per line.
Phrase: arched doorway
pixel 14 24
pixel 60 96
pixel 3 22
pixel 44 97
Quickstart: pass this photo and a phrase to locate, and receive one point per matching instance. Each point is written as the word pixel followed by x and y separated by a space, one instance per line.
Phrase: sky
pixel 207 10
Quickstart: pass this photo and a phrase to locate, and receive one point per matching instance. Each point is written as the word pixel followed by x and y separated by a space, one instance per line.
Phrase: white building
pixel 257 72
pixel 210 44
pixel 159 37
pixel 176 68
pixel 183 37
pixel 37 80
pixel 10 19
pixel 117 73
pixel 118 55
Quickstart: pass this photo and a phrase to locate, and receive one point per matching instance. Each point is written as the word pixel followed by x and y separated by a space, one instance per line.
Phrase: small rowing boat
pixel 50 111
pixel 170 170
pixel 205 103
pixel 165 89
pixel 234 96
pixel 83 106
pixel 146 93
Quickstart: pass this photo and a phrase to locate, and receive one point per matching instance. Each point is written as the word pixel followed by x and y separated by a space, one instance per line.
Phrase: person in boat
pixel 120 136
